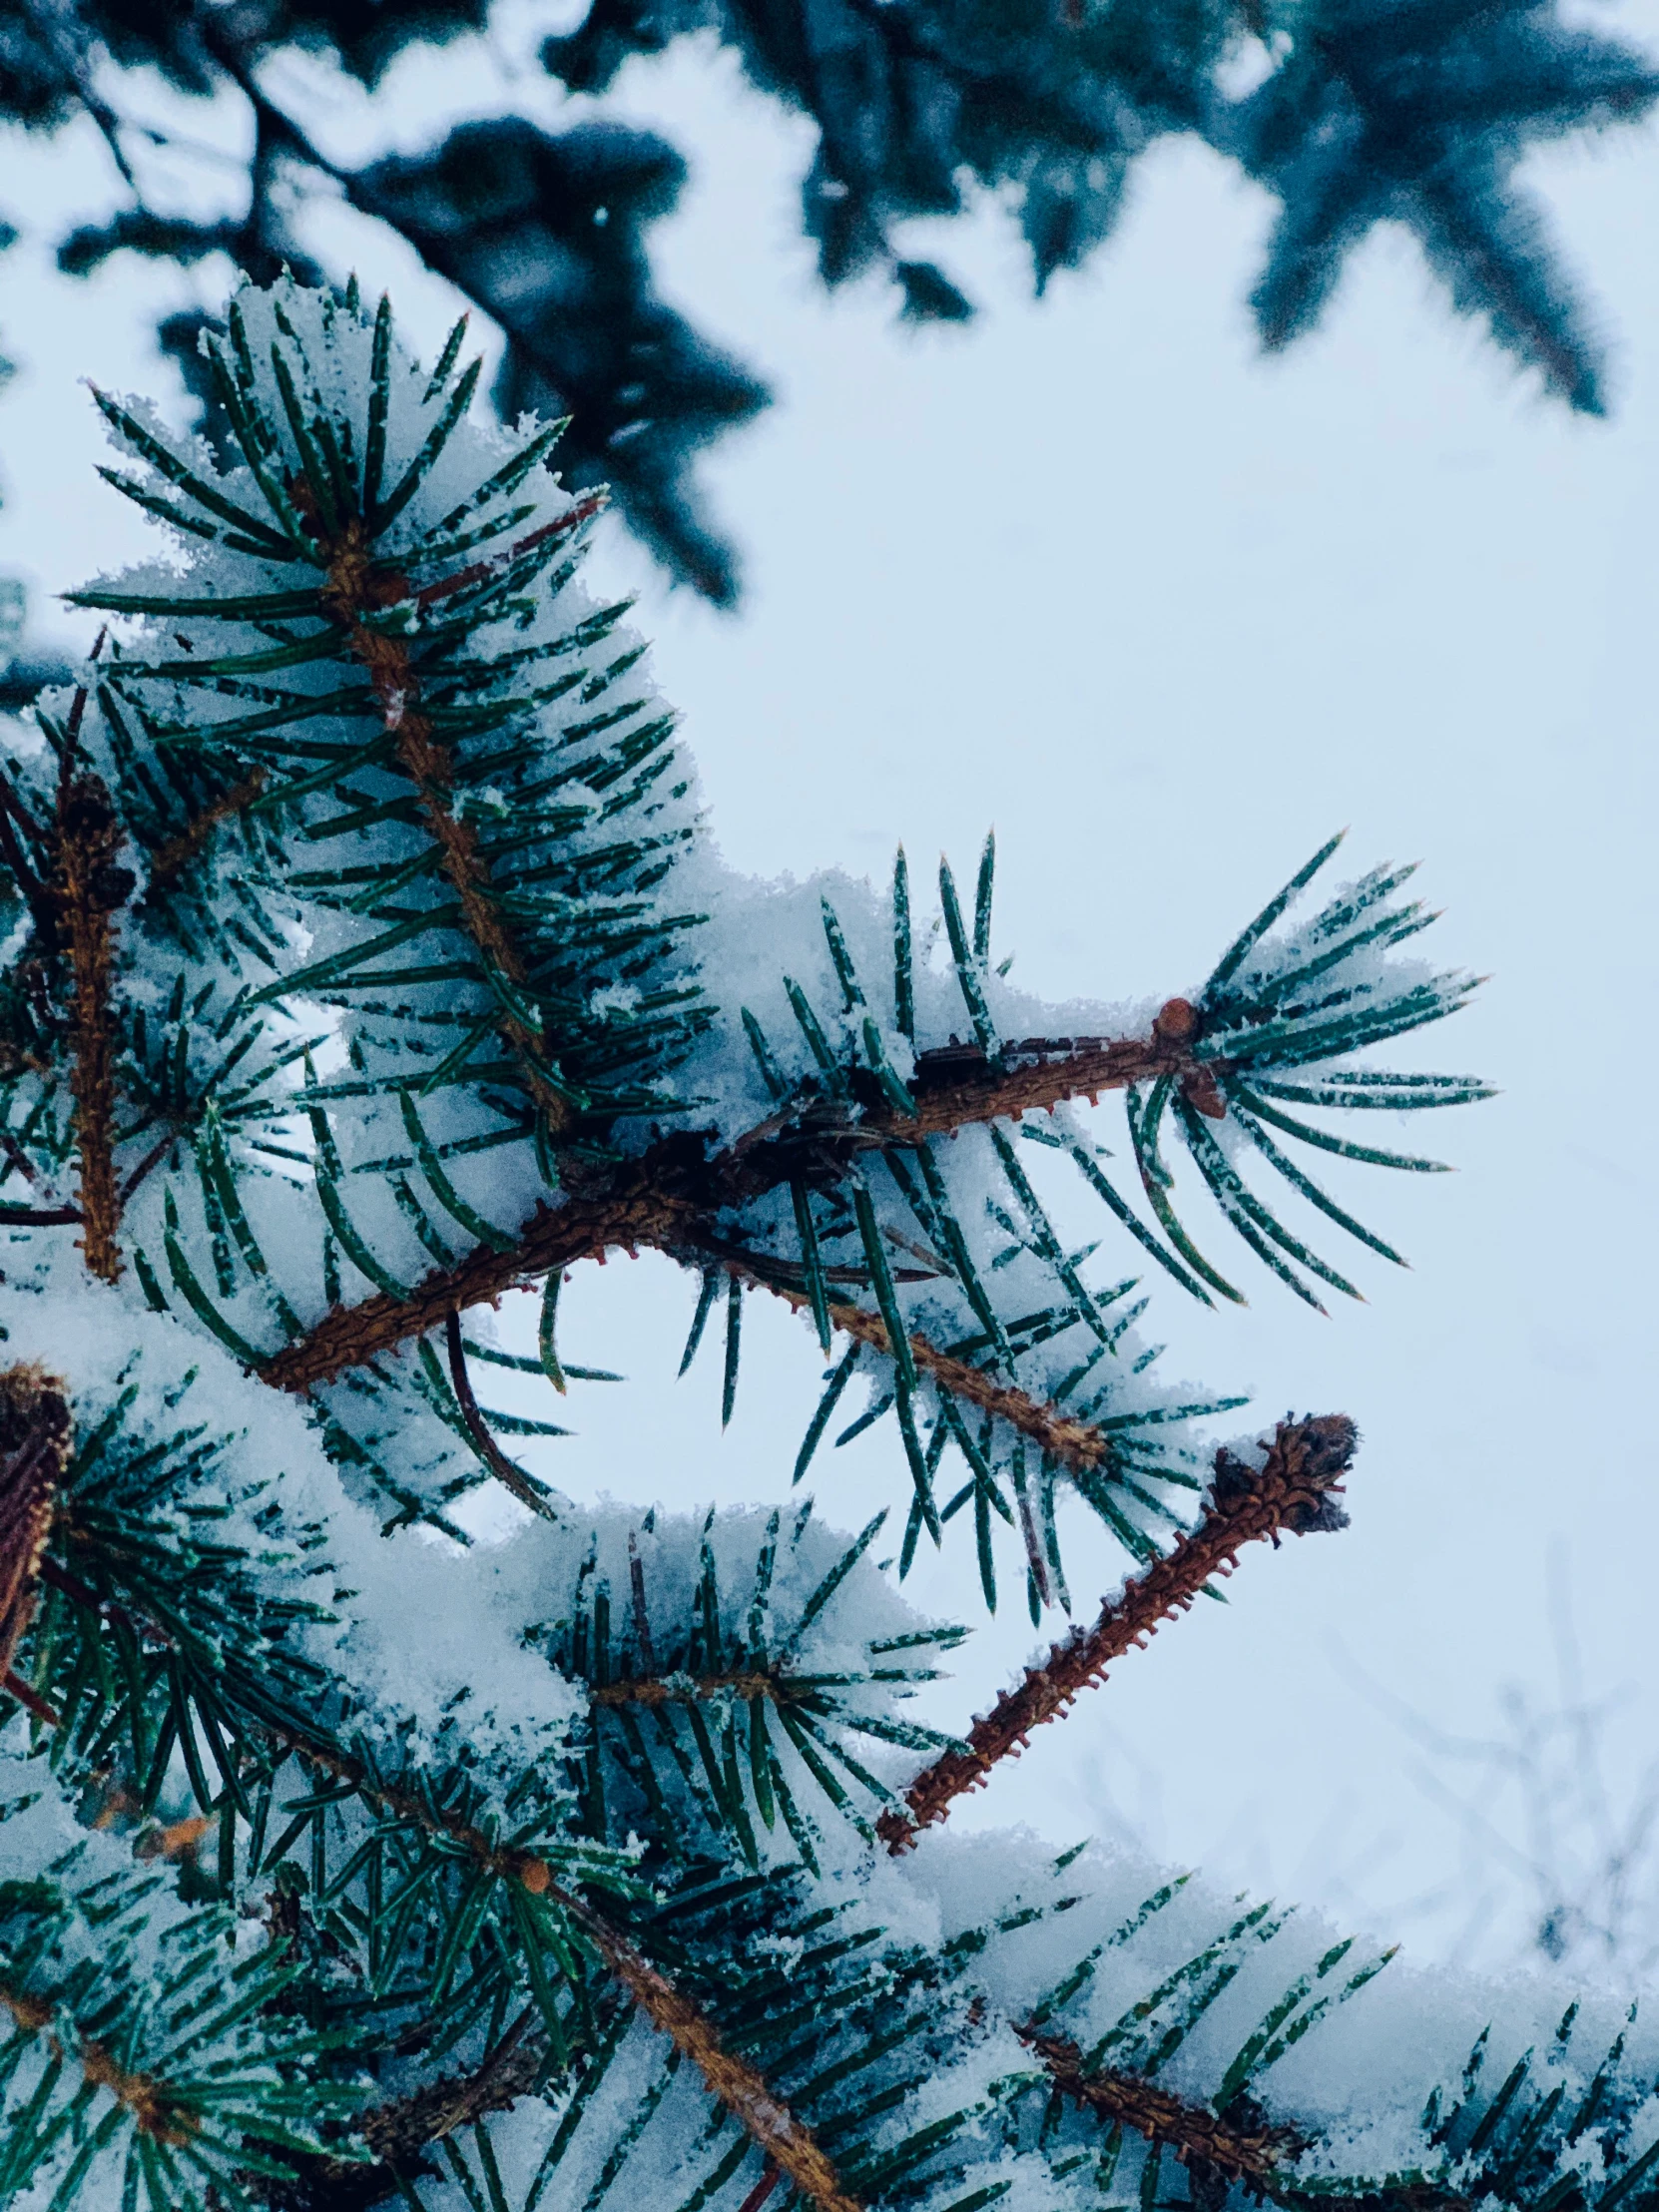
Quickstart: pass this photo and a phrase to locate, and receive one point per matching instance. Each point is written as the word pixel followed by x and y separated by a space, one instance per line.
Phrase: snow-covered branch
pixel 1297 1487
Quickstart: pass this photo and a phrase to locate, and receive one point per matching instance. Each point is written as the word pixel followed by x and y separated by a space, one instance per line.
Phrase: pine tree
pixel 1417 112
pixel 367 960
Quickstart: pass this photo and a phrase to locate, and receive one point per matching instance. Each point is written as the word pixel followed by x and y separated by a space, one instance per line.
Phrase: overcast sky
pixel 1167 615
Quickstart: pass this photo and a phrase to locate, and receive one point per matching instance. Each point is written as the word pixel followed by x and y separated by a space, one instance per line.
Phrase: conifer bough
pixel 368 961
pixel 1344 113
pixel 1297 1488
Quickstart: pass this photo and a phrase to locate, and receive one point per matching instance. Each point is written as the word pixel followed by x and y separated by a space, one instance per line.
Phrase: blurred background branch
pixel 212 116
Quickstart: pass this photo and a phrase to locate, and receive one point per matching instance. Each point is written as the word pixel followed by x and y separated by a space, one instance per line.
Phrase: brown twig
pixel 1250 2154
pixel 762 2190
pixel 16 1157
pixel 89 1601
pixel 679 1689
pixel 152 1160
pixel 733 2080
pixel 478 572
pixel 959 1085
pixel 31 1700
pixel 640 1207
pixel 154 2113
pixel 1297 1488
pixel 646 1211
pixel 88 888
pixel 1075 1444
pixel 508 2071
pixel 1241 2145
pixel 668 1200
pixel 35 1437
pixel 356 586
pixel 409 1806
pixel 172 857
pixel 787 2143
pixel 397 2132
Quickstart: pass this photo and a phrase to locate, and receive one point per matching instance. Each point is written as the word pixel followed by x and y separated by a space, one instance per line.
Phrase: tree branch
pixel 146 2098
pixel 787 2142
pixel 1297 1488
pixel 681 1689
pixel 640 1206
pixel 88 888
pixel 956 1085
pixel 36 1437
pixel 356 585
pixel 668 1200
pixel 477 572
pixel 1241 2145
pixel 1077 1445
pixel 171 859
pixel 771 2124
pixel 394 2132
pixel 1251 2154
pixel 30 1700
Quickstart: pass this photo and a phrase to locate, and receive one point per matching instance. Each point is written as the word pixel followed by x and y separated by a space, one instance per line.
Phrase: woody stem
pixel 1293 1489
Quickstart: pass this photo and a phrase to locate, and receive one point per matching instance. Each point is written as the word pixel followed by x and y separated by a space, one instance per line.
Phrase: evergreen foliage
pixel 1413 111
pixel 367 958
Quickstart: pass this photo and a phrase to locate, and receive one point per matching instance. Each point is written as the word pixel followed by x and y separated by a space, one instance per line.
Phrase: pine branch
pixel 88 889
pixel 1238 2150
pixel 357 586
pixel 36 1437
pixel 647 1204
pixel 776 2131
pixel 409 1805
pixel 745 1684
pixel 1077 1445
pixel 477 572
pixel 955 1087
pixel 956 1084
pixel 436 1904
pixel 667 1199
pixel 395 2133
pixel 787 2142
pixel 769 2125
pixel 1240 2145
pixel 406 1805
pixel 171 860
pixel 1297 1488
pixel 507 2072
pixel 141 2095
